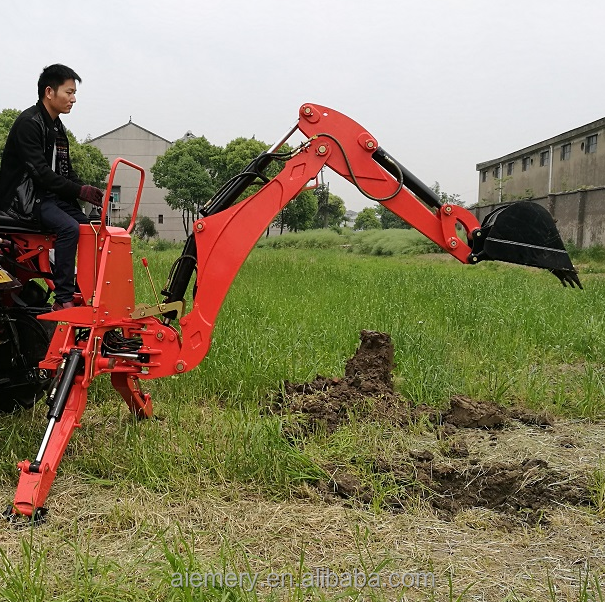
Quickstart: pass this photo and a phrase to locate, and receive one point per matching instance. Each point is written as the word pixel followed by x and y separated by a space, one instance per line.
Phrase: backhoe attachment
pixel 108 333
pixel 524 233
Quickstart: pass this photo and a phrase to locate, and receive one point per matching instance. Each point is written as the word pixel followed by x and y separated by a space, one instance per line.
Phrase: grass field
pixel 215 483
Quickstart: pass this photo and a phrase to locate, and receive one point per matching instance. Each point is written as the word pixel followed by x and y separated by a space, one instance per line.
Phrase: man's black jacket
pixel 29 148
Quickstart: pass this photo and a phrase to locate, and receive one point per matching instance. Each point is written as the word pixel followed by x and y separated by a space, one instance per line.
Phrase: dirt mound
pixel 366 389
pixel 451 481
pixel 521 491
pixel 468 413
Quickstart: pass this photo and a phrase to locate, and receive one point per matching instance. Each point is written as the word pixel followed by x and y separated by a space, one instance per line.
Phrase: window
pixel 509 168
pixel 565 151
pixel 484 176
pixel 160 219
pixel 591 144
pixel 114 197
pixel 544 158
pixel 525 163
pixel 496 172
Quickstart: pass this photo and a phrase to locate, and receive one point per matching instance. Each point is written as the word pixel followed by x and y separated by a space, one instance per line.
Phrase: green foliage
pixel 391 242
pixel 89 163
pixel 161 244
pixel 193 170
pixel 367 219
pixel 330 208
pixel 7 118
pixel 595 253
pixel 444 197
pixel 237 155
pixel 310 239
pixel 122 223
pixel 145 227
pixel 300 213
pixel 189 171
pixel 388 219
pixel 368 242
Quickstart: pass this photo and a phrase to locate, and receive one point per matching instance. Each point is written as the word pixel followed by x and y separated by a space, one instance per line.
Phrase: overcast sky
pixel 442 85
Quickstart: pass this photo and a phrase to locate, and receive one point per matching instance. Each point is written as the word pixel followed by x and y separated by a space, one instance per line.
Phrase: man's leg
pixel 64 220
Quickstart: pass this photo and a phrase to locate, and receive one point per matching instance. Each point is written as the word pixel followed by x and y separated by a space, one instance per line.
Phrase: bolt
pixel 447 209
pixel 453 244
pixel 322 149
pixel 199 226
pixel 308 111
pixel 180 366
pixel 159 336
pixel 370 144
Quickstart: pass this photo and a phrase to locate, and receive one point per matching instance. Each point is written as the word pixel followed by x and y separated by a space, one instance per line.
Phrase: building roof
pixel 582 130
pixel 135 125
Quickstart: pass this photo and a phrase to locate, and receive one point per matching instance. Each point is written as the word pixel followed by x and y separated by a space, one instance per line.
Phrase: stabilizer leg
pixel 68 403
pixel 127 385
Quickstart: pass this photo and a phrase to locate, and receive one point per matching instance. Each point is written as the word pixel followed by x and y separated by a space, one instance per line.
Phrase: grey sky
pixel 442 85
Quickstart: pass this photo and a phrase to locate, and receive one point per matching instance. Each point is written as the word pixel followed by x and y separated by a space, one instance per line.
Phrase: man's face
pixel 61 100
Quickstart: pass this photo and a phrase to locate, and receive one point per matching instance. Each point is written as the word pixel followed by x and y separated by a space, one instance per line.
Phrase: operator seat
pixel 10 224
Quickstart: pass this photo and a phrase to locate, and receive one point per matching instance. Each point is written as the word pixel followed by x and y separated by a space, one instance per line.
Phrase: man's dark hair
pixel 54 76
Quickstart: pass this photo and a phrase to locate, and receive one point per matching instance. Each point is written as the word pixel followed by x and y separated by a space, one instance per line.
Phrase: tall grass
pixel 369 242
pixel 497 332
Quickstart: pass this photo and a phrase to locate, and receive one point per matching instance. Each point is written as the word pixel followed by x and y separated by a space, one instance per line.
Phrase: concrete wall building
pixel 570 161
pixel 142 147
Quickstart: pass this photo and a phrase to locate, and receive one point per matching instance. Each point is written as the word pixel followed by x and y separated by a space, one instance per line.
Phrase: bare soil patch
pixel 459 464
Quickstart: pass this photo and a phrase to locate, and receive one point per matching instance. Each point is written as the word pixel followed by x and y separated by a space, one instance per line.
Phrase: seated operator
pixel 37 150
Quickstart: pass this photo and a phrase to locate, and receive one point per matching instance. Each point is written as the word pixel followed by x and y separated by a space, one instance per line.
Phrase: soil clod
pixel 445 475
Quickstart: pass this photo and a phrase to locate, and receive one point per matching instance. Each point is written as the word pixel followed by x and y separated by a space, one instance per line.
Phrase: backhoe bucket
pixel 524 233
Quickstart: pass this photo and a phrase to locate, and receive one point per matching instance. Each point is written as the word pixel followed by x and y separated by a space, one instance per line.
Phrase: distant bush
pixel 308 239
pixel 596 253
pixel 165 245
pixel 368 242
pixel 393 241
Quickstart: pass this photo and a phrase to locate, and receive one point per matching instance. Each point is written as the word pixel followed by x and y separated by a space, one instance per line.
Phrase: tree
pixel 454 199
pixel 330 208
pixel 145 228
pixel 298 214
pixel 367 220
pixel 7 118
pixel 88 162
pixel 322 193
pixel 237 155
pixel 189 171
pixel 388 219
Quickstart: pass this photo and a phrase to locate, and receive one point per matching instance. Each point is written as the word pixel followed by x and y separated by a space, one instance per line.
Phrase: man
pixel 37 147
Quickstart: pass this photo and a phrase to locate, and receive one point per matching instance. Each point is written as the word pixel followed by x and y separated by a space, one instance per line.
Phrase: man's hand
pixel 91 195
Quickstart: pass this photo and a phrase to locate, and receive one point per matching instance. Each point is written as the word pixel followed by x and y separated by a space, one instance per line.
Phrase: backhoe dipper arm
pixel 222 240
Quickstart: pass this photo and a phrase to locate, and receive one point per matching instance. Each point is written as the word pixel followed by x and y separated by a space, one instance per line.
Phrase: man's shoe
pixel 59 306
